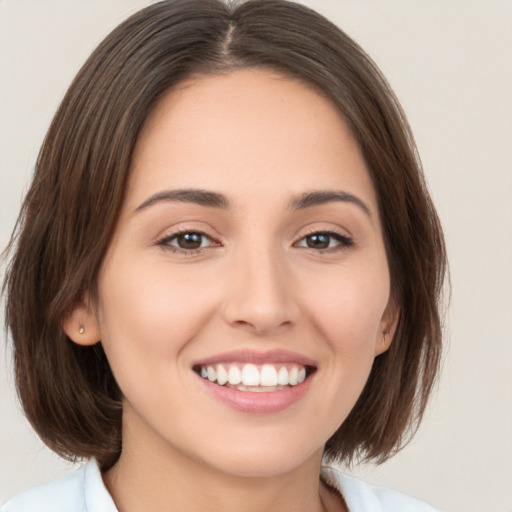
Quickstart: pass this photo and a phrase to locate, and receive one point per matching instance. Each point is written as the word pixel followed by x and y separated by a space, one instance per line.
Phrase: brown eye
pixel 323 241
pixel 188 241
pixel 318 241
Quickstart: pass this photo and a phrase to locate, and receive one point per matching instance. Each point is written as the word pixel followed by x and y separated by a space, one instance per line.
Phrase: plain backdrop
pixel 450 62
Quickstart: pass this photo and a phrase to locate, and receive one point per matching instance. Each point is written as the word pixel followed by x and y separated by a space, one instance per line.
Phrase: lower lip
pixel 258 402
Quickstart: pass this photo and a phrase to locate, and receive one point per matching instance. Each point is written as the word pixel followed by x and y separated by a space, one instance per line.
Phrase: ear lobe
pixel 387 328
pixel 81 325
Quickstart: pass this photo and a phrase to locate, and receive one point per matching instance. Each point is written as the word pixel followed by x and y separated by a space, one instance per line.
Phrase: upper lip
pixel 257 357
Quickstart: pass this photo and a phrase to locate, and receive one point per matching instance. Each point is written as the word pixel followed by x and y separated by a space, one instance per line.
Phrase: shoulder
pixel 80 491
pixel 361 497
pixel 63 494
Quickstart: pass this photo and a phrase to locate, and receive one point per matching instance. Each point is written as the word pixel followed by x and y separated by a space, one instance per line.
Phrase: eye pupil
pixel 189 240
pixel 318 241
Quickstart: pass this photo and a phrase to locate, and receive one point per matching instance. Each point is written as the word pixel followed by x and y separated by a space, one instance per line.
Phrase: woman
pixel 227 269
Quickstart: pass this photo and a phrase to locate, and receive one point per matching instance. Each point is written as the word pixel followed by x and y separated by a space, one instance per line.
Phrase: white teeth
pixel 251 378
pixel 282 376
pixel 250 375
pixel 293 375
pixel 234 375
pixel 268 375
pixel 212 374
pixel 222 375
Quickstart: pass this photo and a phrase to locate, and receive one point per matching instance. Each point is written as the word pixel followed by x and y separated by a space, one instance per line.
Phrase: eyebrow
pixel 189 195
pixel 318 198
pixel 217 200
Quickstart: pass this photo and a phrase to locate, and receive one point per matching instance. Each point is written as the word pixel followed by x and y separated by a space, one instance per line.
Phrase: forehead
pixel 245 130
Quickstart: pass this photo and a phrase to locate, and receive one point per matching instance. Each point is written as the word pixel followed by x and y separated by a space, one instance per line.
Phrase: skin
pixel 261 140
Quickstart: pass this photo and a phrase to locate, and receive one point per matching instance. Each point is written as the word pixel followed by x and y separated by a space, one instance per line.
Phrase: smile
pixel 256 382
pixel 254 378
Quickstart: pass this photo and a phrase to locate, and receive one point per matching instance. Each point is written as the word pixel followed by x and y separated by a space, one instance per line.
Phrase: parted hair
pixel 68 217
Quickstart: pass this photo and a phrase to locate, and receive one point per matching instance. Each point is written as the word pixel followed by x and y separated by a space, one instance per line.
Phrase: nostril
pixel 261 326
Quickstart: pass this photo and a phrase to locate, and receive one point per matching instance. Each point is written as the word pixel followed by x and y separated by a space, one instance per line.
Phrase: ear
pixel 81 325
pixel 387 327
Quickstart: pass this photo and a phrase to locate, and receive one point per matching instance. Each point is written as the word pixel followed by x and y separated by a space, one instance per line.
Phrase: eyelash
pixel 165 242
pixel 344 242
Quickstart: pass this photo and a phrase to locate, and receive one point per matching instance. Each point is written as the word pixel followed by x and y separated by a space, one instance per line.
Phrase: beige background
pixel 450 63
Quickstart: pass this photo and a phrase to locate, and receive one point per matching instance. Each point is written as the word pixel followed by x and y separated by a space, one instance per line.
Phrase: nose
pixel 261 296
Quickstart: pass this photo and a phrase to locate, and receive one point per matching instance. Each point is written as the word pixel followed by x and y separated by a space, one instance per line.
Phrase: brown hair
pixel 69 214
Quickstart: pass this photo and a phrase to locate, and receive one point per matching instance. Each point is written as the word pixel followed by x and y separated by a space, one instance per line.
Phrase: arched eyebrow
pixel 320 197
pixel 216 200
pixel 189 195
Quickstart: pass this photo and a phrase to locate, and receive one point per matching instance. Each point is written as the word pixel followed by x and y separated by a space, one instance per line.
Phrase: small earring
pixel 82 329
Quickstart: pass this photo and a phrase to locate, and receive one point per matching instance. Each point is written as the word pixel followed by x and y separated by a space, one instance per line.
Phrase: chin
pixel 265 462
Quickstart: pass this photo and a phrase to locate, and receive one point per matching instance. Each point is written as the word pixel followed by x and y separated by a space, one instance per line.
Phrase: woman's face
pixel 249 247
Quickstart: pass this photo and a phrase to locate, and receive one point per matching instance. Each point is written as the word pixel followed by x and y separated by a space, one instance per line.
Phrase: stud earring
pixel 82 329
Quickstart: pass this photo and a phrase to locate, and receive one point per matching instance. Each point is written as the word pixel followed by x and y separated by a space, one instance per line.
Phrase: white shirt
pixel 83 490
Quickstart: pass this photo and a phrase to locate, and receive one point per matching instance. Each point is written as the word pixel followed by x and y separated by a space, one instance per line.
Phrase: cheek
pixel 351 304
pixel 345 308
pixel 348 312
pixel 148 314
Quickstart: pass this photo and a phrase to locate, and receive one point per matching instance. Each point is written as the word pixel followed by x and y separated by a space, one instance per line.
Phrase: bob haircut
pixel 70 212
